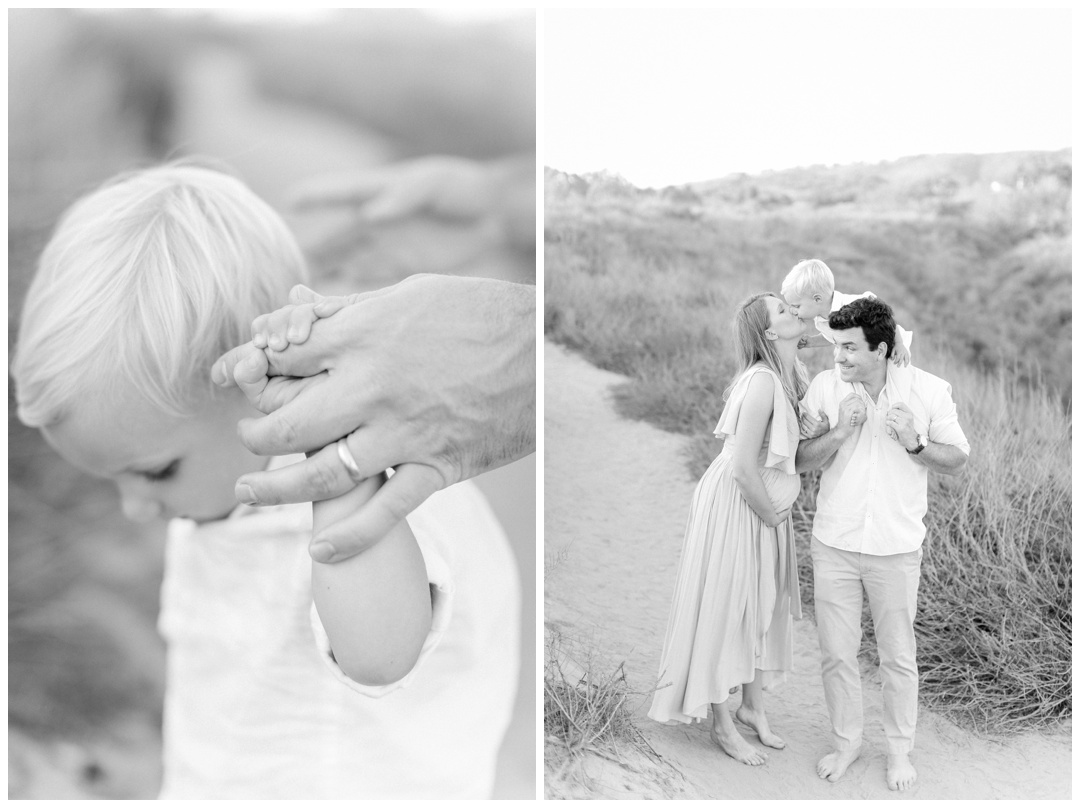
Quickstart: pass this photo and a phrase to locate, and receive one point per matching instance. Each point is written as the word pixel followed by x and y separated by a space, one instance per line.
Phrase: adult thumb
pixel 399 496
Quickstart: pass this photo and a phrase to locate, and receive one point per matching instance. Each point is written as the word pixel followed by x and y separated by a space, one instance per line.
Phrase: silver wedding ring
pixel 348 461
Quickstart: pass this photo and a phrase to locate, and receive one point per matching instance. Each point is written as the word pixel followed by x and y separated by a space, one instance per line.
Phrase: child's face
pixel 783 319
pixel 163 466
pixel 809 306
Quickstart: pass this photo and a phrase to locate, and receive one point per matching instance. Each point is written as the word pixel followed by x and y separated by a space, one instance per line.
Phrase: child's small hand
pixel 901 355
pixel 289 325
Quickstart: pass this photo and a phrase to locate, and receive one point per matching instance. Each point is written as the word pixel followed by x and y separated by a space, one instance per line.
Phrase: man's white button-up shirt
pixel 872 497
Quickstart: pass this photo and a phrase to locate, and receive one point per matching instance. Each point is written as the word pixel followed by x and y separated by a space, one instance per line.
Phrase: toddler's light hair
pixel 147 280
pixel 808 278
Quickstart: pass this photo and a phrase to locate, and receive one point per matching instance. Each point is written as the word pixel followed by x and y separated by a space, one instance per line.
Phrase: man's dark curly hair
pixel 874 317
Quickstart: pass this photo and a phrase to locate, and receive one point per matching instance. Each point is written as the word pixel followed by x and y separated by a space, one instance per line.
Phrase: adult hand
pixel 452 189
pixel 813 426
pixel 900 425
pixel 781 517
pixel 434 377
pixel 852 413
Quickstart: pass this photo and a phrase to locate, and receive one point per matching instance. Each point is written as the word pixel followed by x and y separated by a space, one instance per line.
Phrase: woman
pixel 737 587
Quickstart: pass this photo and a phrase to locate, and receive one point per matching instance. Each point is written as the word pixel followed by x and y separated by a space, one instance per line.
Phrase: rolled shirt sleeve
pixel 944 423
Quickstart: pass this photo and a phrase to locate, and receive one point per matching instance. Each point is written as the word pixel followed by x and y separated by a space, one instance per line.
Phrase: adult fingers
pixel 411 484
pixel 294 426
pixel 320 476
pixel 339 189
pixel 279 391
pixel 398 202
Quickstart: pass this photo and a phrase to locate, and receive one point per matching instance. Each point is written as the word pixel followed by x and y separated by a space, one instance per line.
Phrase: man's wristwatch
pixel 922 440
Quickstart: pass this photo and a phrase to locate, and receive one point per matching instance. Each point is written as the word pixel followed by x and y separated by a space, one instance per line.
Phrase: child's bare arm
pixel 375 606
pixel 816 340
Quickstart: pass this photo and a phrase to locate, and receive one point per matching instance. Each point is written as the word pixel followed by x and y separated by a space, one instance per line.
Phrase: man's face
pixel 858 362
pixel 808 306
pixel 163 466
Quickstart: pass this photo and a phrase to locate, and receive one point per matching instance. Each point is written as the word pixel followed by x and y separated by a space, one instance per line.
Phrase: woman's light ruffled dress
pixel 738 587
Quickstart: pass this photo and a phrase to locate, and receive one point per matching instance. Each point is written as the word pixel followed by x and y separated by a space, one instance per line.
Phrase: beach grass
pixel 644 290
pixel 588 707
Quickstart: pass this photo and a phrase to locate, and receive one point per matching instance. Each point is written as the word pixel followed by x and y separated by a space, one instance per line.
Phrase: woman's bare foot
pixel 756 720
pixel 833 765
pixel 899 773
pixel 736 746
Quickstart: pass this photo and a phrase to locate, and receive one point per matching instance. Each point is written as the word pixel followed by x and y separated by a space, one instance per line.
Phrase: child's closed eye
pixel 163 473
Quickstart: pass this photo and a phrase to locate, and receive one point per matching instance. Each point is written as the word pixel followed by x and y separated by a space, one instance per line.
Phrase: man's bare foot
pixel 736 746
pixel 757 722
pixel 899 773
pixel 833 765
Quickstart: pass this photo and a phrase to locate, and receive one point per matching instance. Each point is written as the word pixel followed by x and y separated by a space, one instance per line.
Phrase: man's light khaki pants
pixel 891 584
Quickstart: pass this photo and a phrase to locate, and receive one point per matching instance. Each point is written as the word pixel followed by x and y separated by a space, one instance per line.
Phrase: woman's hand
pixel 781 517
pixel 811 426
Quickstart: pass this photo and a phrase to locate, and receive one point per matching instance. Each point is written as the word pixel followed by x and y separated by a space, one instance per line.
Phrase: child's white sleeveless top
pixel 255 706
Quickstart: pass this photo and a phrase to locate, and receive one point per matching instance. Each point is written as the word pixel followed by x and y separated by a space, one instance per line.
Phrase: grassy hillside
pixel 972 251
pixel 643 282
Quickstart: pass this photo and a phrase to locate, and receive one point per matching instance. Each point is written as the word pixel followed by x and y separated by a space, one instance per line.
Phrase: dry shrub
pixel 588 706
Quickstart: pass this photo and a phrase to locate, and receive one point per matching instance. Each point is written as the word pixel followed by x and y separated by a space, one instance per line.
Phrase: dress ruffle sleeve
pixel 781 447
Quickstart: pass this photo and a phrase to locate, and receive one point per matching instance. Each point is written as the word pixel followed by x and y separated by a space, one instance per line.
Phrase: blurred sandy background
pixel 279 99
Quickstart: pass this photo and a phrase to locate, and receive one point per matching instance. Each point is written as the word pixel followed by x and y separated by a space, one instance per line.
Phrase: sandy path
pixel 616 493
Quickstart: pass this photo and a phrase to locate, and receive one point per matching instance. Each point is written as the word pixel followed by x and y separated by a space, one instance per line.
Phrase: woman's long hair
pixel 748 329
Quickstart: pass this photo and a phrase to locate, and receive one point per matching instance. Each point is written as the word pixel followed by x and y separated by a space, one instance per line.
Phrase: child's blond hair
pixel 147 280
pixel 808 278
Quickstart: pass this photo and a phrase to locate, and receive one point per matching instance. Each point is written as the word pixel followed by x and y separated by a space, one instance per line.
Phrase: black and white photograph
pixel 272 307
pixel 807 404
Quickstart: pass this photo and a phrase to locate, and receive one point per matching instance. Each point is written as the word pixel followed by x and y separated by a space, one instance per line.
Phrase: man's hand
pixel 900 426
pixel 434 377
pixel 852 414
pixel 453 190
pixel 443 187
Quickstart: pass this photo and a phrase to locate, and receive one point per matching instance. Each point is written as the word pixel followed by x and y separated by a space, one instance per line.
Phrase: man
pixel 892 426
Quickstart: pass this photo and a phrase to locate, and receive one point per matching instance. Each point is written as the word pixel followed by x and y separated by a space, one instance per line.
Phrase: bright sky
pixel 668 97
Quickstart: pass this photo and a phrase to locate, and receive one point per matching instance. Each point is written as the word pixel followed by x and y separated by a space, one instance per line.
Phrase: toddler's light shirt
pixel 255 706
